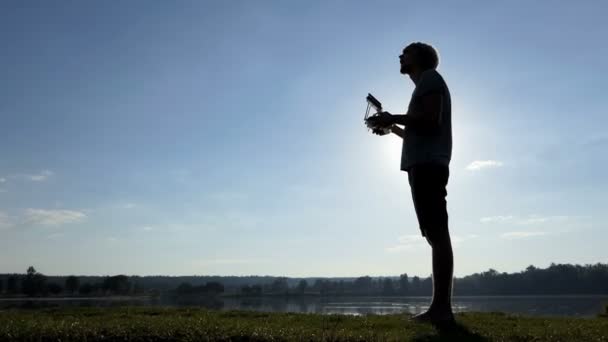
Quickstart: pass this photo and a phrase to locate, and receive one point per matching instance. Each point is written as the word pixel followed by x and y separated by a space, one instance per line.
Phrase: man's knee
pixel 438 238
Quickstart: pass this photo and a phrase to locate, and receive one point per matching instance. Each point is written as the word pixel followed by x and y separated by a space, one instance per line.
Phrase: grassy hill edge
pixel 196 324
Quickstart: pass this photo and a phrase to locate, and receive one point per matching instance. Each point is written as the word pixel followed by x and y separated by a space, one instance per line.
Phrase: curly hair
pixel 426 55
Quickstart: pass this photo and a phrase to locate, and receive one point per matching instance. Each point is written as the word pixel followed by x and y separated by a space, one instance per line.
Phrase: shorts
pixel 428 183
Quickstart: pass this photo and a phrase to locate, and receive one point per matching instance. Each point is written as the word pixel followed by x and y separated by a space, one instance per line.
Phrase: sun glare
pixel 391 151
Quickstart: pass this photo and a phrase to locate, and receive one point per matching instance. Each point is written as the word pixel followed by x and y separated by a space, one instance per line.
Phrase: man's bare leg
pixel 443 269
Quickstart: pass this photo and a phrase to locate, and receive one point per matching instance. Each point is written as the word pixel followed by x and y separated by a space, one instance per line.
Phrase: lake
pixel 566 305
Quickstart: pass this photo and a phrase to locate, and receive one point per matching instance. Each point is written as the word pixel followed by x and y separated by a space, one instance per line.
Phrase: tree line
pixel 34 283
pixel 553 280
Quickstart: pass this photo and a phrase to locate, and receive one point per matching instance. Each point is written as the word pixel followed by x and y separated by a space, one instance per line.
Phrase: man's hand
pixel 380 131
pixel 380 120
pixel 398 131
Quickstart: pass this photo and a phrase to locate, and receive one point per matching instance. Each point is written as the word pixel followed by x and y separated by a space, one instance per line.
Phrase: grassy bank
pixel 194 324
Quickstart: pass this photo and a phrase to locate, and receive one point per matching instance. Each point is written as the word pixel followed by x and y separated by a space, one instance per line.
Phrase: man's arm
pixel 428 117
pixel 398 131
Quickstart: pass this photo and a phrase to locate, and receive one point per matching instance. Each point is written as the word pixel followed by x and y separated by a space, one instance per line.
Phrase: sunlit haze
pixel 227 137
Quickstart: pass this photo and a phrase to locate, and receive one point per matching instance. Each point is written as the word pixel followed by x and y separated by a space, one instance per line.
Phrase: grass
pixel 195 324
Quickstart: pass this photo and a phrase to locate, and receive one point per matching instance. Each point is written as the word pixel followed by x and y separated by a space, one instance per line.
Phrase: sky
pixel 227 137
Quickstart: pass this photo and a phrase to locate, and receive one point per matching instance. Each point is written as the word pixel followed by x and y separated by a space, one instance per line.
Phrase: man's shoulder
pixel 430 81
pixel 432 75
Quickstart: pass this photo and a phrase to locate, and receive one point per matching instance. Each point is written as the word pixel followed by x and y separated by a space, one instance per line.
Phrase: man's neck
pixel 415 76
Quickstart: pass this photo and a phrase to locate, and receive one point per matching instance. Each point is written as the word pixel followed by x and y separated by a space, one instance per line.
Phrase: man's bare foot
pixel 434 317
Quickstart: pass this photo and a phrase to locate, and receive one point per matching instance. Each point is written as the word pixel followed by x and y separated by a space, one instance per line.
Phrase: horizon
pixel 410 276
pixel 304 277
pixel 215 138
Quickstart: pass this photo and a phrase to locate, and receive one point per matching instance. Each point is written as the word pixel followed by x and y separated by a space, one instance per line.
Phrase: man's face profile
pixel 405 59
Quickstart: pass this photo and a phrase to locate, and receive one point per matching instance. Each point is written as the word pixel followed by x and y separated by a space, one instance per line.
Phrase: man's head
pixel 418 57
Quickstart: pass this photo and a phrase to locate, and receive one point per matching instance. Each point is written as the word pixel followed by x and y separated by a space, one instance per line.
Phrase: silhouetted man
pixel 426 154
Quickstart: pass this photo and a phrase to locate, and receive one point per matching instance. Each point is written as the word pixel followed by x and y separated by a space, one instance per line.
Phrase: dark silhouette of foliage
pixel 404 284
pixel 85 289
pixel 54 288
pixel 34 283
pixel 72 283
pixel 553 280
pixel 388 288
pixel 12 285
pixel 279 285
pixel 556 279
pixel 210 288
pixel 118 284
pixel 302 286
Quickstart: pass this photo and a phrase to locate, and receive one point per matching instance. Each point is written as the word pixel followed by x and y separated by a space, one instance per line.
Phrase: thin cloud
pixel 399 248
pixel 529 219
pixel 484 164
pixel 493 219
pixel 5 221
pixel 2 180
pixel 521 235
pixel 407 242
pixel 228 261
pixel 535 219
pixel 185 227
pixel 412 238
pixel 53 217
pixel 457 239
pixel 129 205
pixel 39 177
pixel 171 228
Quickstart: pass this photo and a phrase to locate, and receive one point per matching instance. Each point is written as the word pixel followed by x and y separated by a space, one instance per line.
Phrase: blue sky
pixel 226 137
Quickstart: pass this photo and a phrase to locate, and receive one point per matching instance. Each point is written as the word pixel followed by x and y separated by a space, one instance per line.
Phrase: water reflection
pixel 582 306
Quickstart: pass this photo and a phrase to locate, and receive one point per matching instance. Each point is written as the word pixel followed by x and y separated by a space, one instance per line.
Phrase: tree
pixel 416 285
pixel 316 286
pixel 54 288
pixel 214 288
pixel 341 286
pixel 11 284
pixel 117 284
pixel 138 288
pixel 426 286
pixel 246 290
pixel 387 287
pixel 85 289
pixel 404 284
pixel 72 283
pixel 324 286
pixel 256 290
pixel 363 284
pixel 34 283
pixel 302 285
pixel 184 288
pixel 279 285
